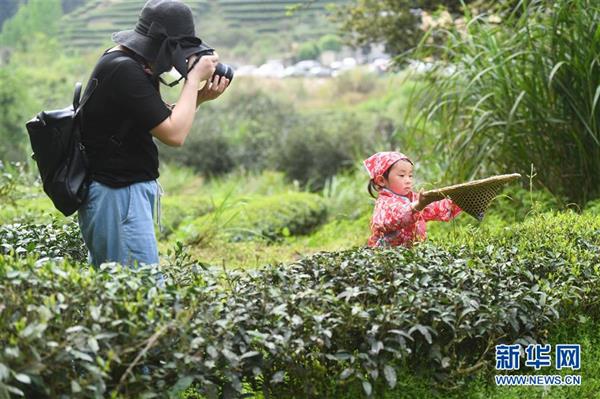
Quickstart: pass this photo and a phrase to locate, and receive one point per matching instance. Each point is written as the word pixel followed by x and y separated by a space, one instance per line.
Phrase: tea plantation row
pixel 324 324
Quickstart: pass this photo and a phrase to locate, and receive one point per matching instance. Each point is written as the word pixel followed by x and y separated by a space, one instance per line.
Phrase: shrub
pixel 563 232
pixel 515 203
pixel 330 42
pixel 269 218
pixel 8 185
pixel 15 102
pixel 236 133
pixel 308 51
pixel 349 317
pixel 206 150
pixel 319 148
pixel 255 121
pixel 176 209
pixel 81 331
pixel 547 234
pixel 53 240
pixel 355 80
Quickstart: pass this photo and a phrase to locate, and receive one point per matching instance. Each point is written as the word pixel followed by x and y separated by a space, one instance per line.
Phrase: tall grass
pixel 524 92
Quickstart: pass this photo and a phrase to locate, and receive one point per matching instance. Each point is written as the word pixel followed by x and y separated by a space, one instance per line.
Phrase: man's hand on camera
pixel 204 69
pixel 212 89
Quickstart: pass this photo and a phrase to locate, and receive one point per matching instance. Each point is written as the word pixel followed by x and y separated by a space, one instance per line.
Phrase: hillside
pixel 225 22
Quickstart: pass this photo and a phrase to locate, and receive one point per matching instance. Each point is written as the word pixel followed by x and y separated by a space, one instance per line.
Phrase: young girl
pixel 400 214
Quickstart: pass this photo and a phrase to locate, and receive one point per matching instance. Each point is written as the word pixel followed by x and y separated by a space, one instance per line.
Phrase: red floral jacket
pixel 395 223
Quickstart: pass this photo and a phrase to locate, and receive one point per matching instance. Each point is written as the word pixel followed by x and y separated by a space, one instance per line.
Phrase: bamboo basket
pixel 475 196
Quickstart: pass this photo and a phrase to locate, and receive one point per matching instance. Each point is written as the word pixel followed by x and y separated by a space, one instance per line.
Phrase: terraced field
pixel 90 25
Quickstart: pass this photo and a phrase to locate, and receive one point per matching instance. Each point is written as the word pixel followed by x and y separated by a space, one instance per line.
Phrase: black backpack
pixel 60 156
pixel 55 138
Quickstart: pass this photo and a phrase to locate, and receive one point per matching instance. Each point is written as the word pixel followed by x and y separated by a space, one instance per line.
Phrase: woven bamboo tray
pixel 475 196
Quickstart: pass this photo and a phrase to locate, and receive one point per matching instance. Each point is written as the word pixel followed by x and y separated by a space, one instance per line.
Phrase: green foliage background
pixel 37 16
pixel 524 94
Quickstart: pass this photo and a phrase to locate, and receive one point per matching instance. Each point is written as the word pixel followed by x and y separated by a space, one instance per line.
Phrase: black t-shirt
pixel 126 99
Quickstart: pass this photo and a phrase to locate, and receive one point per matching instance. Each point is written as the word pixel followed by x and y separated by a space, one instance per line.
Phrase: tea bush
pixel 177 208
pixel 8 183
pixel 270 218
pixel 53 240
pixel 22 197
pixel 515 203
pixel 546 232
pixel 347 318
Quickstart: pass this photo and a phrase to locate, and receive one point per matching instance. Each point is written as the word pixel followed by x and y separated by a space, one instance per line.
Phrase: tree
pixel 399 24
pixel 37 16
pixel 330 42
pixel 14 103
pixel 308 51
pixel 8 8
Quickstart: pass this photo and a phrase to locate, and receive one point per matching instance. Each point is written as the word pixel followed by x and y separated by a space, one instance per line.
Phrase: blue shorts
pixel 117 224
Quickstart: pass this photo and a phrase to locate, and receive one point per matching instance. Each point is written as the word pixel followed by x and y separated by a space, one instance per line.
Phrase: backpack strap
pixel 76 95
pixel 115 140
pixel 78 107
pixel 89 89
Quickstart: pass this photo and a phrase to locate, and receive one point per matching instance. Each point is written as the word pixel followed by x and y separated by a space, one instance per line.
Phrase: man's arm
pixel 174 130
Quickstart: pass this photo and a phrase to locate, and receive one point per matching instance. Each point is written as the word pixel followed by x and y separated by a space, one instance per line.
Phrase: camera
pixel 221 69
pixel 224 70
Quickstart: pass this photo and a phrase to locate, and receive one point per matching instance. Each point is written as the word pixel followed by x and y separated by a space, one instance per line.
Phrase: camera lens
pixel 224 70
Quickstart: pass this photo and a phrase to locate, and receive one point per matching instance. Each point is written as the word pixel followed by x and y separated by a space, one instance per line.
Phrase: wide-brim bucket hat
pixel 164 35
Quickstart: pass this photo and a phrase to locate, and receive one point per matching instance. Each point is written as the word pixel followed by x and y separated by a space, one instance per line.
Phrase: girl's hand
pixel 426 199
pixel 204 69
pixel 212 89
